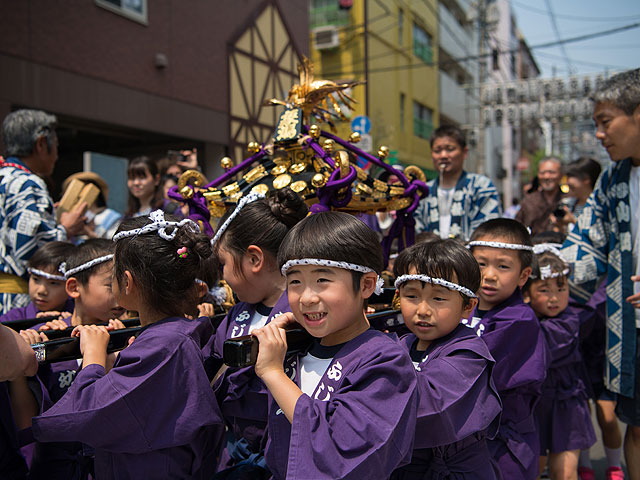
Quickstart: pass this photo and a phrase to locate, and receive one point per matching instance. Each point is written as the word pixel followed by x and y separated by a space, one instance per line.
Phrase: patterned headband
pixel 435 281
pixel 332 263
pixel 48 276
pixel 84 266
pixel 509 246
pixel 158 224
pixel 547 247
pixel 252 197
pixel 546 273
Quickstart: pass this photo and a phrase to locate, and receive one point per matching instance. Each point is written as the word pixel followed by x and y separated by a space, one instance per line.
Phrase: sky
pixel 574 18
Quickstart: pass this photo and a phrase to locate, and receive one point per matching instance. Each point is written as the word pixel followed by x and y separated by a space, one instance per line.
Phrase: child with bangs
pixel 345 407
pixel 563 417
pixel 504 252
pixel 458 407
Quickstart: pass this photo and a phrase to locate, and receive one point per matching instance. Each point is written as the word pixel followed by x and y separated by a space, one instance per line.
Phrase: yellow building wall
pixel 393 68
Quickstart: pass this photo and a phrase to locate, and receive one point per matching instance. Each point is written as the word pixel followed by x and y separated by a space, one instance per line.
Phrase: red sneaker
pixel 585 473
pixel 614 473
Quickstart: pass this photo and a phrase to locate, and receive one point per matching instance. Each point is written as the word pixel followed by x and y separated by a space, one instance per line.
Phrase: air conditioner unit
pixel 325 38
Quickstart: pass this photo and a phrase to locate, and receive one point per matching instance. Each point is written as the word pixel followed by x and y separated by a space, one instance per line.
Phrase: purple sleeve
pixel 19 313
pixel 364 431
pixel 561 335
pixel 155 397
pixel 456 399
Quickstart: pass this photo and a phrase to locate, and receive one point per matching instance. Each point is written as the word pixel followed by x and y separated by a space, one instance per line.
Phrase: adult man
pixel 27 218
pixel 458 201
pixel 537 206
pixel 606 240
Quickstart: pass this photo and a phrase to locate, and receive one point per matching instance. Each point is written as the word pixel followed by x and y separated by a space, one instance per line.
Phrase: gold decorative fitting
pixel 297 168
pixel 231 189
pixel 235 196
pixel 380 186
pixel 318 180
pixel 328 146
pixel 261 188
pixel 255 174
pixel 281 181
pixel 383 151
pixel 186 192
pixel 319 165
pixel 226 163
pixel 364 188
pixel 213 195
pixel 393 191
pixel 278 170
pixel 355 137
pixel 314 131
pixel 342 163
pixel 191 177
pixel 217 211
pixel 253 147
pixel 415 172
pixel 298 186
pixel 362 176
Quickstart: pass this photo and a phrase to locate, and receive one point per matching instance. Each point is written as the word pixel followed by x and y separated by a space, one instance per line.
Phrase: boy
pixel 458 201
pixel 458 405
pixel 504 252
pixel 606 241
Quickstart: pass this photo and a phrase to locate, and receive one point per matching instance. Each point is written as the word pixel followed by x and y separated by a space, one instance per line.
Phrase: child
pixel 509 327
pixel 458 404
pixel 346 408
pixel 247 244
pixel 153 415
pixel 46 284
pixel 562 415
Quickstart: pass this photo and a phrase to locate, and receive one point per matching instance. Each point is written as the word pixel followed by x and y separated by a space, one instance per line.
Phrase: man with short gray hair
pixel 27 219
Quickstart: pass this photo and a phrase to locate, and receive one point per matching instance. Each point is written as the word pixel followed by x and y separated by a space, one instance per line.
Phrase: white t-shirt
pixel 634 201
pixel 260 317
pixel 445 198
pixel 311 373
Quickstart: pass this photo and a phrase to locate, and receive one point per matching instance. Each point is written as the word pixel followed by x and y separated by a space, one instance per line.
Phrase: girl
pixel 247 244
pixel 143 182
pixel 153 415
pixel 459 406
pixel 562 414
pixel 346 408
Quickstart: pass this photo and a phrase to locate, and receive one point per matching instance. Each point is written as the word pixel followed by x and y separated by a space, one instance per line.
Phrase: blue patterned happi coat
pixel 600 244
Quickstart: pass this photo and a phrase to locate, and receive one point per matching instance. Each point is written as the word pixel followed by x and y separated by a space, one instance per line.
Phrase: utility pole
pixel 482 76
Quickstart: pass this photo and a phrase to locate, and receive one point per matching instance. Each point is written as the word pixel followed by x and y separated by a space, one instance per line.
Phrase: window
pixel 327 12
pixel 421 43
pixel 402 112
pixel 494 59
pixel 422 121
pixel 133 9
pixel 400 25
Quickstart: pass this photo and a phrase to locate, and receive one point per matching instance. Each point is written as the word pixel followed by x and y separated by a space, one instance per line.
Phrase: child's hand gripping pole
pixel 93 343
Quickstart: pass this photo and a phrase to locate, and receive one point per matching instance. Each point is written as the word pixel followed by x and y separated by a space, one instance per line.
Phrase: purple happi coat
pixel 458 409
pixel 241 394
pixel 153 415
pixel 563 416
pixel 30 311
pixel 12 464
pixel 359 423
pixel 593 346
pixel 512 332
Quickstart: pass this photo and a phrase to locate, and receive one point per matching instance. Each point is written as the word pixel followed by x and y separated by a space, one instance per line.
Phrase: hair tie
pixel 435 281
pixel 333 263
pixel 182 252
pixel 546 273
pixel 84 266
pixel 159 224
pixel 547 247
pixel 252 197
pixel 508 246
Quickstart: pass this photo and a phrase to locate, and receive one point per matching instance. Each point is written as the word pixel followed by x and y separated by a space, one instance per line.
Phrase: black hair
pixel 544 259
pixel 584 168
pixel 449 131
pixel 85 252
pixel 138 168
pixel 335 236
pixel 51 255
pixel 549 236
pixel 508 229
pixel 165 280
pixel 263 223
pixel 441 258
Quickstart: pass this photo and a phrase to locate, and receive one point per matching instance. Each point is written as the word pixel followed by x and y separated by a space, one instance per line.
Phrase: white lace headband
pixel 84 266
pixel 547 247
pixel 546 273
pixel 332 263
pixel 48 276
pixel 159 224
pixel 252 197
pixel 435 281
pixel 509 246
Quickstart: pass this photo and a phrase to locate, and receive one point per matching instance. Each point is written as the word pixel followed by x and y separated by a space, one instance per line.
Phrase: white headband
pixel 546 273
pixel 84 266
pixel 48 276
pixel 509 246
pixel 335 264
pixel 435 281
pixel 252 197
pixel 547 247
pixel 158 224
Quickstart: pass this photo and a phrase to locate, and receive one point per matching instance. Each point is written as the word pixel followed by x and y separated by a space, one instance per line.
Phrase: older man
pixel 537 207
pixel 27 219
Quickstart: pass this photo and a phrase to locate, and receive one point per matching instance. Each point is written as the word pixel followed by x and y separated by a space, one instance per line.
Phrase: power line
pixel 554 25
pixel 574 17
